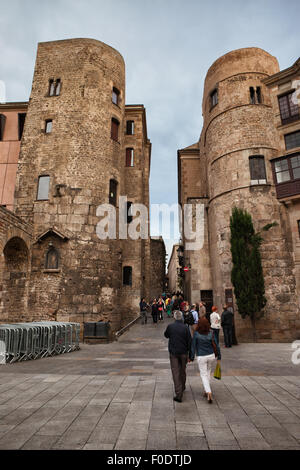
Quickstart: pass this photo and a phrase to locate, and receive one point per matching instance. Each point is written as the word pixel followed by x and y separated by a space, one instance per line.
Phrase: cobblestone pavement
pixel 120 396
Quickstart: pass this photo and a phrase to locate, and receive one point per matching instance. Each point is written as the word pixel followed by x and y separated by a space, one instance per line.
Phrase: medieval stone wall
pixel 15 249
pixel 158 268
pixel 81 156
pixel 234 130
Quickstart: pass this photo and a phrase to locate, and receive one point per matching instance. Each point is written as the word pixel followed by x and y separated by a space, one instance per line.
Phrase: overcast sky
pixel 167 45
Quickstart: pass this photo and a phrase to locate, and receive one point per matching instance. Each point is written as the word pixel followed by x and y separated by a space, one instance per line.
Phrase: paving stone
pixel 278 437
pixel 160 440
pixel 286 417
pixel 99 446
pixel 186 429
pixel 223 447
pixel 245 431
pixel 14 440
pixel 6 427
pixel 115 414
pixel 54 428
pixel 162 425
pixel 219 436
pixel 72 439
pixel 293 430
pixel 265 421
pixel 40 443
pixel 131 444
pixel 236 415
pixel 250 443
pixel 191 442
pixel 105 435
pixel 138 431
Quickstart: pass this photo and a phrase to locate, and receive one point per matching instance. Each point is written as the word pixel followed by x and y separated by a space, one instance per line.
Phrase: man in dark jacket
pixel 227 324
pixel 179 348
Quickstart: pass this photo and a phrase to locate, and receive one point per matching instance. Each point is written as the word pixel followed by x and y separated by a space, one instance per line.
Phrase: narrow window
pixel 2 125
pixel 295 164
pixel 289 111
pixel 127 276
pixel 21 122
pixel 213 98
pixel 113 186
pixel 48 126
pixel 51 258
pixel 43 188
pixel 252 95
pixel 292 140
pixel 51 87
pixel 57 87
pixel 129 212
pixel 258 95
pixel 129 157
pixel 282 171
pixel 257 169
pixel 130 127
pixel 115 129
pixel 115 96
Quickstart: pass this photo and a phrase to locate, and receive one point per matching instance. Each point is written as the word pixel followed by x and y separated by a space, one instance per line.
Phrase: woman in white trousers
pixel 206 350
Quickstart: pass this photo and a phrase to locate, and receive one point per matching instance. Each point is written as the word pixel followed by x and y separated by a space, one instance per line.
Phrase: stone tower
pixel 72 159
pixel 233 165
pixel 238 140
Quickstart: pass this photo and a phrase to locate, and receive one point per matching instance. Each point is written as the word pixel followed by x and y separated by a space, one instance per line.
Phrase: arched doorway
pixel 14 280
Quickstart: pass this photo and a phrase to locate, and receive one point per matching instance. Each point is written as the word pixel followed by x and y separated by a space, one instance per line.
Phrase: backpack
pixel 189 319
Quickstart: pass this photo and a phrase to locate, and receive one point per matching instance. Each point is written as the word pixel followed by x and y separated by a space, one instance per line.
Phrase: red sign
pixel 185 268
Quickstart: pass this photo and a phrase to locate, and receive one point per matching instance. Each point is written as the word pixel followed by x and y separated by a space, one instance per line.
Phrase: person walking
pixel 161 308
pixel 154 311
pixel 143 310
pixel 215 323
pixel 227 324
pixel 196 318
pixel 169 307
pixel 179 350
pixel 204 347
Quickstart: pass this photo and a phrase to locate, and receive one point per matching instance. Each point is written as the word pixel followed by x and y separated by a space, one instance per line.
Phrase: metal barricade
pixel 33 340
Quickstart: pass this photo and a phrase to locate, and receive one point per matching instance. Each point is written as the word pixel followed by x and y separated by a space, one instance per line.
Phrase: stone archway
pixel 14 280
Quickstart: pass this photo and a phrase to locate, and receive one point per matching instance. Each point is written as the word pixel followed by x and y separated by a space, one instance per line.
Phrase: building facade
pixel 174 268
pixel 81 147
pixel 235 163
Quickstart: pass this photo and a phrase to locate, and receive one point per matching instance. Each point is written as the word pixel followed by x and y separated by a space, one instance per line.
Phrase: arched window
pixel 52 258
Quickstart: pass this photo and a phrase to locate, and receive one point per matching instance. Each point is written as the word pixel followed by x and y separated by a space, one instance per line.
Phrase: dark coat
pixel 179 338
pixel 227 318
pixel 143 306
pixel 154 311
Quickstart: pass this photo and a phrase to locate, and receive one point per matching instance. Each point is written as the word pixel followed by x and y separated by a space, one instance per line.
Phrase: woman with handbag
pixel 206 350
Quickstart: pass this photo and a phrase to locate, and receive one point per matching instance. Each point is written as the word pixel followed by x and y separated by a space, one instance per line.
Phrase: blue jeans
pixel 216 333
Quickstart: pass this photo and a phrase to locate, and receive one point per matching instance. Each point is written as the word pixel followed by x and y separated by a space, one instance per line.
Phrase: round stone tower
pixel 70 163
pixel 238 140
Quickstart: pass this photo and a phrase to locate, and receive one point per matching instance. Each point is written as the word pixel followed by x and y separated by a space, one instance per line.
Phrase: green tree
pixel 247 274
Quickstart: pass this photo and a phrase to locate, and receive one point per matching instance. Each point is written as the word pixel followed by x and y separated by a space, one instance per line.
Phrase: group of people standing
pixel 168 304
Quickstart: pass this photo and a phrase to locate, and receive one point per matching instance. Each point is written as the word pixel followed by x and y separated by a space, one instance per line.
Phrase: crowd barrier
pixel 25 341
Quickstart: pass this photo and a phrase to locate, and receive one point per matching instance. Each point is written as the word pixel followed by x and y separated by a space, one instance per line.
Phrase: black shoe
pixel 177 399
